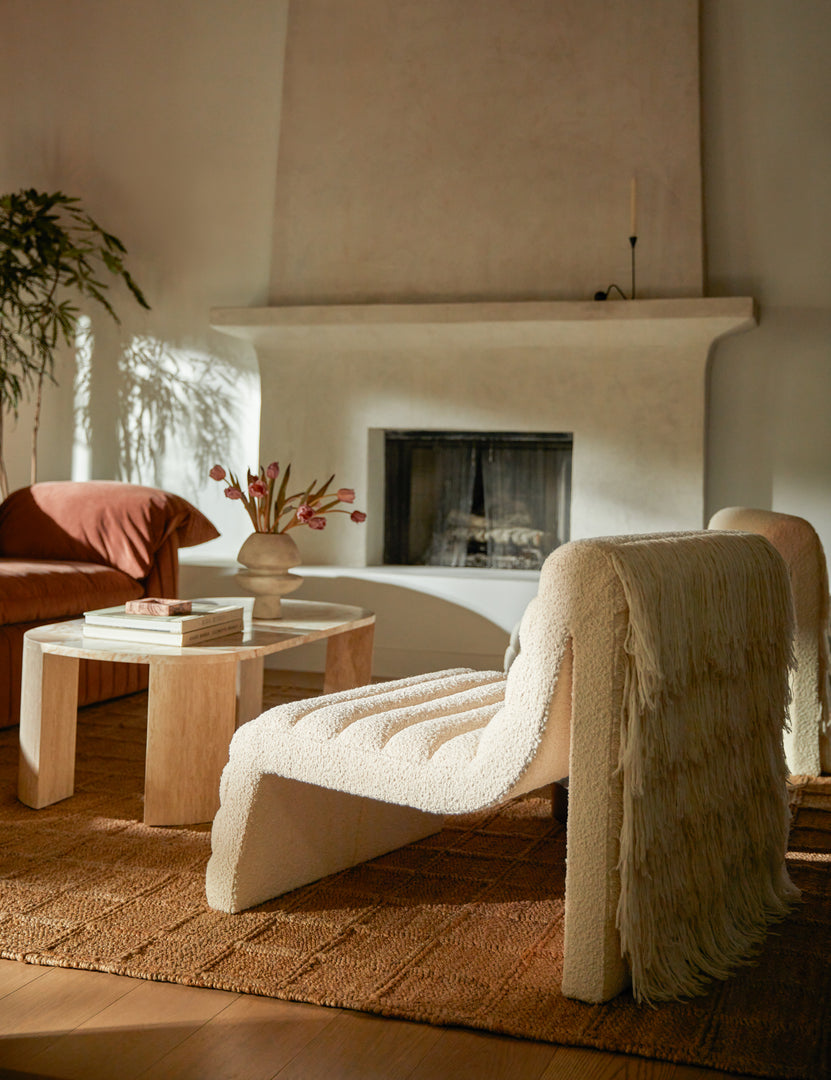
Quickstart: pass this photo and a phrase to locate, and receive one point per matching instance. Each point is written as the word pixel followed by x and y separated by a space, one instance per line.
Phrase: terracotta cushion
pixel 32 590
pixel 98 521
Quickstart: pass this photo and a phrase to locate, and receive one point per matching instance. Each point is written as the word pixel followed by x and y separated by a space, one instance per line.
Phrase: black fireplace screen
pixel 492 499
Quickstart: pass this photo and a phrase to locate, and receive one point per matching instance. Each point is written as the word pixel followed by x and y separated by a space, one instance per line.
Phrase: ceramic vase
pixel 267 558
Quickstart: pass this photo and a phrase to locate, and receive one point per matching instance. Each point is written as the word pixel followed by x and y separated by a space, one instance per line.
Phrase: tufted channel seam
pixel 293 712
pixel 455 735
pixel 371 721
pixel 415 728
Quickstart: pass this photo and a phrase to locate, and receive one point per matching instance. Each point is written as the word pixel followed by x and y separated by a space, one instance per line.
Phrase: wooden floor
pixel 60 1022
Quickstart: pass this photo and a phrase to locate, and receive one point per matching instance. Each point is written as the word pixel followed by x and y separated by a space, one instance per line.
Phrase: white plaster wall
pixel 164 119
pixel 766 118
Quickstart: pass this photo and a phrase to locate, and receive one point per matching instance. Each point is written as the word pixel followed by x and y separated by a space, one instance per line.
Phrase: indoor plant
pixel 52 253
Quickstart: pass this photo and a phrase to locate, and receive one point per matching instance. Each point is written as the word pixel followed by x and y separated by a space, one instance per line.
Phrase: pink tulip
pixel 233 493
pixel 346 495
pixel 273 470
pixel 358 516
pixel 305 513
pixel 217 473
pixel 258 489
pixel 317 523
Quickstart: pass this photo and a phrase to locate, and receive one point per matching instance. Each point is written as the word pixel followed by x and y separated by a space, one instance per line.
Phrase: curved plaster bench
pixel 654 672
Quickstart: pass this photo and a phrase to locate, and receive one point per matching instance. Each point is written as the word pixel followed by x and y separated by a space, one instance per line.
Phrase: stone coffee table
pixel 198 696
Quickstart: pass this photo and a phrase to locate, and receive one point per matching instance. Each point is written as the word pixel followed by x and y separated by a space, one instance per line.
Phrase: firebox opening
pixel 498 500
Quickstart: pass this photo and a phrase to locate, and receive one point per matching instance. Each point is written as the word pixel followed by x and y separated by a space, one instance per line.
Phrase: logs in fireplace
pixel 496 500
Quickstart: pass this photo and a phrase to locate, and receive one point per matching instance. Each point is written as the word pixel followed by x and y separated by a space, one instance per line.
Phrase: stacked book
pixel 202 623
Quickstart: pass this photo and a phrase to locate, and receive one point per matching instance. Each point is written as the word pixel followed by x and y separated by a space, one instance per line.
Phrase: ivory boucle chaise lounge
pixel 654 672
pixel 808 740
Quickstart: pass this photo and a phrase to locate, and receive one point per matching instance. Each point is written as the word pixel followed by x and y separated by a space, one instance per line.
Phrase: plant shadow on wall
pixel 172 404
pixel 53 256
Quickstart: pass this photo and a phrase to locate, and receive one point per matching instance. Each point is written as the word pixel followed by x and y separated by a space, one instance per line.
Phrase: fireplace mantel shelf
pixel 531 324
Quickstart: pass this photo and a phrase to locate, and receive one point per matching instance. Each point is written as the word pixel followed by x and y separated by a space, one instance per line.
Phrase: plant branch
pixel 49 246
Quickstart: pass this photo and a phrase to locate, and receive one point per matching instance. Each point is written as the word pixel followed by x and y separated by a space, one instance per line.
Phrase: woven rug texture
pixel 463 928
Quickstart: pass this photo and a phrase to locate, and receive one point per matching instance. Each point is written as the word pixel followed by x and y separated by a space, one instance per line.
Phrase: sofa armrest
pixel 120 525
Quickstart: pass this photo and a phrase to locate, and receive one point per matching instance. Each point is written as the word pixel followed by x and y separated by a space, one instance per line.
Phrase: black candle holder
pixel 601 295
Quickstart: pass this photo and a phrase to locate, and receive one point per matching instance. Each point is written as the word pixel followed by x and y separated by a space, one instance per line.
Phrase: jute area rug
pixel 464 928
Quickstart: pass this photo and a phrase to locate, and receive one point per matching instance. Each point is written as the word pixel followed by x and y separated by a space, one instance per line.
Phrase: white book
pixel 164 637
pixel 202 614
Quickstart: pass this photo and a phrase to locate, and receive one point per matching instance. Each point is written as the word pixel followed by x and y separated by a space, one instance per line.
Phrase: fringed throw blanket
pixel 703 770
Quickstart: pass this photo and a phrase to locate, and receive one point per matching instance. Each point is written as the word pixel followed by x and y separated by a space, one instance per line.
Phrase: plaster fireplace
pixel 453 182
pixel 627 379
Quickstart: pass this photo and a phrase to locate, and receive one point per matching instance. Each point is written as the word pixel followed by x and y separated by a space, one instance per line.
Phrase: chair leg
pixel 559 800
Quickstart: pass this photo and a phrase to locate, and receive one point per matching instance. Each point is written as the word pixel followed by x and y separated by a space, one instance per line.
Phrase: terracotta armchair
pixel 67 547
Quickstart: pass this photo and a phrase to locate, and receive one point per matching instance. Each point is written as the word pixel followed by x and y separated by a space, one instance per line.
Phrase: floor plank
pixel 255 1038
pixel 13 975
pixel 39 1013
pixel 252 1039
pixel 357 1046
pixel 129 1036
pixel 694 1072
pixel 576 1063
pixel 473 1055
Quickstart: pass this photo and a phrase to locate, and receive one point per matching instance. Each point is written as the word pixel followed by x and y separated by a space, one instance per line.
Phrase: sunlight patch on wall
pixel 176 411
pixel 179 411
pixel 81 455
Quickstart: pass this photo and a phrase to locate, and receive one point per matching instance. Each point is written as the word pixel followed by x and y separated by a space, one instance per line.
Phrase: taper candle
pixel 633 208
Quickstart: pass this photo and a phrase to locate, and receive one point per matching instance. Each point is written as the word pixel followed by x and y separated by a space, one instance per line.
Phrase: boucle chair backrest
pixel 808 743
pixel 680 647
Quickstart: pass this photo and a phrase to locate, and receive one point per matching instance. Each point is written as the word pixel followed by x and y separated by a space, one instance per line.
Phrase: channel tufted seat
pixel 653 671
pixel 441 740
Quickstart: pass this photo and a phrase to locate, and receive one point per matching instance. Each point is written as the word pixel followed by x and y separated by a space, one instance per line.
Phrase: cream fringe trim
pixel 705 812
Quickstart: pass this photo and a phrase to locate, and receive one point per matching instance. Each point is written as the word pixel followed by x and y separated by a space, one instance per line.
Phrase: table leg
pixel 250 689
pixel 48 719
pixel 349 659
pixel 191 716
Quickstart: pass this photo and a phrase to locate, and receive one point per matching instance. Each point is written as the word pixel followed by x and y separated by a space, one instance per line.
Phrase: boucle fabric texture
pixel 646 664
pixel 512 650
pixel 808 743
pixel 426 742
